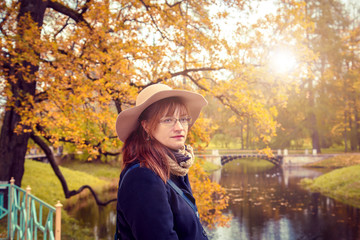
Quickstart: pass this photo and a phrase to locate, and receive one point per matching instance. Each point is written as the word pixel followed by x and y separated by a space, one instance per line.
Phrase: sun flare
pixel 282 61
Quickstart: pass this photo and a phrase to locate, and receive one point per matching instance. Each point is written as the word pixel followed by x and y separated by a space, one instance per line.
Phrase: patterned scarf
pixel 184 159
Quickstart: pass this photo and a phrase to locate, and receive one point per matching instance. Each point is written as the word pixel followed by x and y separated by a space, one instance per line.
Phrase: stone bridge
pixel 277 159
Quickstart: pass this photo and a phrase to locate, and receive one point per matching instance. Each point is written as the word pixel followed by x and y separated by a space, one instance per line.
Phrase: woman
pixel 155 200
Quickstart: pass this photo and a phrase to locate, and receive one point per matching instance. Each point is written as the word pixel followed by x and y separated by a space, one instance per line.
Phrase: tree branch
pixel 50 156
pixel 221 97
pixel 77 17
pixel 186 73
pixel 173 5
pixel 163 34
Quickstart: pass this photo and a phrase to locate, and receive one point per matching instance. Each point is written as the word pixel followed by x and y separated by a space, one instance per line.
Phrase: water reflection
pixel 267 203
pixel 100 219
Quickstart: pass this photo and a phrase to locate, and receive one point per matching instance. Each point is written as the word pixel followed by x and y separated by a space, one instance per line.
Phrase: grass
pixel 46 186
pixel 343 183
pixel 102 171
pixel 250 164
pixel 209 166
pixel 338 161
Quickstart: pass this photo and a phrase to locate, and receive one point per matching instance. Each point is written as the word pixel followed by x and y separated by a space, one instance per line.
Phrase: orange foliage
pixel 211 197
pixel 94 57
pixel 199 136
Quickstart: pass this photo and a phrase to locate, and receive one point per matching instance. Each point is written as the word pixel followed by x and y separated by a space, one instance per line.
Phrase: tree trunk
pixel 247 134
pixel 314 133
pixel 312 118
pixel 242 136
pixel 12 145
pixel 356 127
pixel 345 133
pixel 12 149
pixel 353 140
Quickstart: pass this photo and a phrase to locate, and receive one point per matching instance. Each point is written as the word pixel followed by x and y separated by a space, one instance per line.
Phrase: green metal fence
pixel 27 216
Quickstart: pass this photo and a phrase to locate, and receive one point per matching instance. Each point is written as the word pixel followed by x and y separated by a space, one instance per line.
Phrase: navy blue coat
pixel 147 208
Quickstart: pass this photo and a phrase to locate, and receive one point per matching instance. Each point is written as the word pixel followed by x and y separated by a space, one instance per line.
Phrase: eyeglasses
pixel 171 121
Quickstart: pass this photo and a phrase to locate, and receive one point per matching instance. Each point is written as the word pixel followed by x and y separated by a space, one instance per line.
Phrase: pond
pixel 268 203
pixel 265 203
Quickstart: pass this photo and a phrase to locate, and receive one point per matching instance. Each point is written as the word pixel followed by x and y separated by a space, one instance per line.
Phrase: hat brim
pixel 127 120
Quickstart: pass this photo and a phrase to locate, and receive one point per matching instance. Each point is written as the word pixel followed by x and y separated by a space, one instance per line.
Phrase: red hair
pixel 150 152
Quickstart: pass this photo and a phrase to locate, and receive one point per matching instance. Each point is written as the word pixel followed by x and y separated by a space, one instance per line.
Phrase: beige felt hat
pixel 127 120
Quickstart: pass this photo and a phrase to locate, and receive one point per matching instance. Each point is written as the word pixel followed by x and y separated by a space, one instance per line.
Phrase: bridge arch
pixel 276 160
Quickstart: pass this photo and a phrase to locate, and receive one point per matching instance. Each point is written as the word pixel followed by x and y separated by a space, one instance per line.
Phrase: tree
pixel 324 105
pixel 333 89
pixel 69 67
pixel 18 71
pixel 349 42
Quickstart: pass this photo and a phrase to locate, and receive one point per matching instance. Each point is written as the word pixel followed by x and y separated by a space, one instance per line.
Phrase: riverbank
pixel 342 183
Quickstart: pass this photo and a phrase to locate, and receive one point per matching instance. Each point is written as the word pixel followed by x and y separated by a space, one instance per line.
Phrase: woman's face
pixel 172 135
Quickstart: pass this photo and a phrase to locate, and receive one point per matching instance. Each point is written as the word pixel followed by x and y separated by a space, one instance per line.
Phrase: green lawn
pixel 209 167
pixel 343 183
pixel 46 186
pixel 100 170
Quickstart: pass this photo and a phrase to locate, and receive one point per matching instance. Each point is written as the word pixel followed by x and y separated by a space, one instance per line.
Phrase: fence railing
pixel 28 217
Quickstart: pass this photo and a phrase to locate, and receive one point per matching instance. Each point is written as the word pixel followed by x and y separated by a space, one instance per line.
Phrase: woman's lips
pixel 178 136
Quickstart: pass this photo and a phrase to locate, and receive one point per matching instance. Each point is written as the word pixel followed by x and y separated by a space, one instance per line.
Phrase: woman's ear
pixel 145 125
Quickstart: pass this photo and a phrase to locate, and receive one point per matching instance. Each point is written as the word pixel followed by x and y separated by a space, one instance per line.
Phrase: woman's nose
pixel 178 126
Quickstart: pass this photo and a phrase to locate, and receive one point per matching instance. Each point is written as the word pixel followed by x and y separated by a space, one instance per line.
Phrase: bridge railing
pixel 254 151
pixel 27 216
